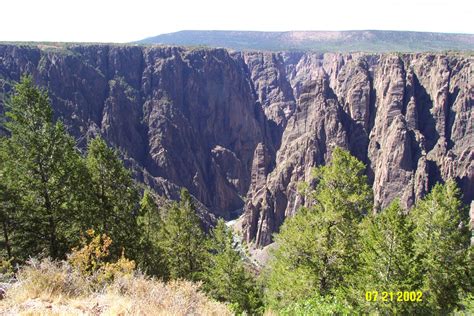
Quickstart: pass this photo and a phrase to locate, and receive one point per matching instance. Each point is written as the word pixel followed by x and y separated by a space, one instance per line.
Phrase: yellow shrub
pixel 110 271
pixel 93 259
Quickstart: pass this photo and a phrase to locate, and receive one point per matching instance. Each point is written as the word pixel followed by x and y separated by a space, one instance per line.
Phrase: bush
pixel 56 288
pixel 92 260
pixel 467 306
pixel 319 305
pixel 6 269
pixel 46 279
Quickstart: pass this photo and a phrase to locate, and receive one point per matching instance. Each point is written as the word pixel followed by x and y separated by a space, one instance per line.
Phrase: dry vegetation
pixel 52 288
pixel 90 283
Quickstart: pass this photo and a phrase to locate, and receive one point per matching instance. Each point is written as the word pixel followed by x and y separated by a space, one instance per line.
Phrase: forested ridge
pixel 84 208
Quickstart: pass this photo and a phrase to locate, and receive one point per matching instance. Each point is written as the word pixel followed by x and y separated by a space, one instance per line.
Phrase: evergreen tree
pixel 442 246
pixel 225 277
pixel 318 248
pixel 388 262
pixel 115 198
pixel 182 240
pixel 150 256
pixel 8 200
pixel 43 170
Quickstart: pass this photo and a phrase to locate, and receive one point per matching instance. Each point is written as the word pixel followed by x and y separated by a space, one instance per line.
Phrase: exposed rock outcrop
pixel 186 117
pixel 409 118
pixel 235 127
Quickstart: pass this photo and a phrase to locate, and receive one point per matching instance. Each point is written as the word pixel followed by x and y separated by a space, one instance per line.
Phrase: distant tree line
pixel 327 257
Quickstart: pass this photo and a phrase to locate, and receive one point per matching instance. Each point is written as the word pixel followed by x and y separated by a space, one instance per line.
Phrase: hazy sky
pixel 124 21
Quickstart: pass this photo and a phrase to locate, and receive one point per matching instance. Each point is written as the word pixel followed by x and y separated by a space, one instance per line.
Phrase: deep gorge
pixel 242 129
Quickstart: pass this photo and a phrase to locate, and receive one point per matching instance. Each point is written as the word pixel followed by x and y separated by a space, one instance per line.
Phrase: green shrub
pixel 319 305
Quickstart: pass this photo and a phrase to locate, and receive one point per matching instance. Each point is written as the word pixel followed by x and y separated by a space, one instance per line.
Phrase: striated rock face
pixel 235 127
pixel 184 117
pixel 409 118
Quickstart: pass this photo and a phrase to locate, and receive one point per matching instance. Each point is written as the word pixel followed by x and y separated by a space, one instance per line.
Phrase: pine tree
pixel 317 249
pixel 225 277
pixel 43 169
pixel 5 208
pixel 388 262
pixel 8 200
pixel 115 198
pixel 442 246
pixel 150 258
pixel 182 240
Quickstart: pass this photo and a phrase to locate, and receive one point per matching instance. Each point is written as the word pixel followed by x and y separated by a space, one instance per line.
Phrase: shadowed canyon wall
pixel 241 130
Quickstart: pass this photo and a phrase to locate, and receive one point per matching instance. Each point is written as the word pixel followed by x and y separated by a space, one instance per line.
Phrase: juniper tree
pixel 114 198
pixel 387 261
pixel 225 276
pixel 8 199
pixel 442 246
pixel 150 257
pixel 182 239
pixel 43 169
pixel 317 249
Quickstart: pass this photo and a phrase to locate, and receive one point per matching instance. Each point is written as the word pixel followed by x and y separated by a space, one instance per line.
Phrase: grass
pixel 56 288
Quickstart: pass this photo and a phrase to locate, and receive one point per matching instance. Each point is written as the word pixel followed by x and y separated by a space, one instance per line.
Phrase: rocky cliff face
pixel 186 118
pixel 235 127
pixel 409 118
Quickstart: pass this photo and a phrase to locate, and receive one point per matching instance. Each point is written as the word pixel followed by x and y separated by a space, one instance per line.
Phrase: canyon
pixel 241 130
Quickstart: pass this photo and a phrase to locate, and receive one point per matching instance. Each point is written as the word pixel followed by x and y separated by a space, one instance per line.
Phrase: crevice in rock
pixel 427 123
pixel 450 116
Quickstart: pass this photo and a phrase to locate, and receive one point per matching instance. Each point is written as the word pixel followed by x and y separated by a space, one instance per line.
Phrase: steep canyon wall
pixel 240 130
